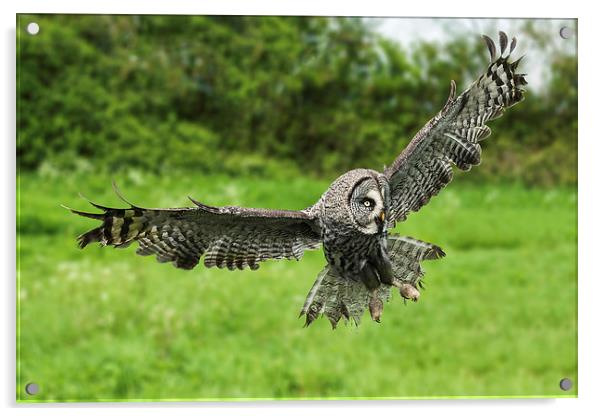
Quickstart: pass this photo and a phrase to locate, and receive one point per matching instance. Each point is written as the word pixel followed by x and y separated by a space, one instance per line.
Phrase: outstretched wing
pixel 452 136
pixel 336 297
pixel 231 237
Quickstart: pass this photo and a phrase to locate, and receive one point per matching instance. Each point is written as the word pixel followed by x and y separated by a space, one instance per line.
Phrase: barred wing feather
pixel 452 136
pixel 231 237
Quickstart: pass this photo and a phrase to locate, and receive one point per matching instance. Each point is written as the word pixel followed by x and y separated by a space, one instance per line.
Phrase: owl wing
pixel 452 136
pixel 231 237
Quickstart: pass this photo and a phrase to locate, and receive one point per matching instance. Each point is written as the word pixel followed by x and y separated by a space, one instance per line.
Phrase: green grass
pixel 498 316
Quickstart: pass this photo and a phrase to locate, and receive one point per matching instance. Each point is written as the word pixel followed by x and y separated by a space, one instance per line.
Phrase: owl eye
pixel 368 203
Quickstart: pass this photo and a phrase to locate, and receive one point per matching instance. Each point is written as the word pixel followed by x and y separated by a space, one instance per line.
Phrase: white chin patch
pixel 371 228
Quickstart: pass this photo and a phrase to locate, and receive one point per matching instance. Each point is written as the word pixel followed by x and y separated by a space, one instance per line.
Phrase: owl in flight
pixel 350 220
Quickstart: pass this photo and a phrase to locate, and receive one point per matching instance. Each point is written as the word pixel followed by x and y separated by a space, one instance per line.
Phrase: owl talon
pixel 376 307
pixel 408 291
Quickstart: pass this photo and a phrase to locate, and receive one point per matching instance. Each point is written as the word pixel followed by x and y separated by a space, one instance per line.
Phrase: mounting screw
pixel 566 32
pixel 566 384
pixel 33 28
pixel 32 389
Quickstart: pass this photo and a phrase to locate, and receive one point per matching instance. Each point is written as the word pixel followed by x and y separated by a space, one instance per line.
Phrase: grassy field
pixel 498 316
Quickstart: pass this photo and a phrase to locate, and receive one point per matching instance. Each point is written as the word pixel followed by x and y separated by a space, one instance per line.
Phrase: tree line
pixel 242 94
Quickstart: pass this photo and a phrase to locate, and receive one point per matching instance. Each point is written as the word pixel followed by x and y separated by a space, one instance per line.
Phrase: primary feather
pixel 453 135
pixel 231 237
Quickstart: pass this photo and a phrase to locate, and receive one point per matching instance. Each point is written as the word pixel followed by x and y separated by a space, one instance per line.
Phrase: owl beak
pixel 380 220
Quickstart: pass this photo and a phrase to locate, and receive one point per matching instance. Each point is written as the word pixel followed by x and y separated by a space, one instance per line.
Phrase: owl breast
pixel 353 221
pixel 349 253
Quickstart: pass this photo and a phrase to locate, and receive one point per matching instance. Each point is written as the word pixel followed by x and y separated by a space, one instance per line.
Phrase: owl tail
pixel 336 297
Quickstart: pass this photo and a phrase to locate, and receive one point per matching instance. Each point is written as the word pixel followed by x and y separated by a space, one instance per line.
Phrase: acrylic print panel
pixel 268 112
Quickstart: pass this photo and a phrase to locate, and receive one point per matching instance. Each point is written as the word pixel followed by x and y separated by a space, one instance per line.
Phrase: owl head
pixel 357 200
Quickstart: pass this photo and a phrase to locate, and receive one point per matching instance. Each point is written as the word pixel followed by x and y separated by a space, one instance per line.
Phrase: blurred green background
pixel 266 112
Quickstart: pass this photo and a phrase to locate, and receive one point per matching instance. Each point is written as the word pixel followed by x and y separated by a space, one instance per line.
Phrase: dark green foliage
pixel 204 93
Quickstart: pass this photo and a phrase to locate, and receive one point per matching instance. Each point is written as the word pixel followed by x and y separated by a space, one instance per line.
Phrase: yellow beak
pixel 382 216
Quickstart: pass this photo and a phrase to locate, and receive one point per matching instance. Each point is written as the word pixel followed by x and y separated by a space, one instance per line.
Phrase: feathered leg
pixel 337 297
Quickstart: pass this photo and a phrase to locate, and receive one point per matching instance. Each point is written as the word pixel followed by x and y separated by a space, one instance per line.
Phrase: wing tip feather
pixel 503 41
pixel 490 46
pixel 121 197
pixel 85 214
pixel 452 92
pixel 204 207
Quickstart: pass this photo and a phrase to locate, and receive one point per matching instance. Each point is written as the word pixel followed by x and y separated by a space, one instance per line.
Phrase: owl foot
pixel 376 306
pixel 408 291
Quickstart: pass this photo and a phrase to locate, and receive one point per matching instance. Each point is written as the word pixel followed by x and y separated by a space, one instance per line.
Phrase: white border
pixel 590 208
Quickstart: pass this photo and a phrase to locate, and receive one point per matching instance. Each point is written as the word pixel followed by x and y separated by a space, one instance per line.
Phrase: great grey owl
pixel 351 220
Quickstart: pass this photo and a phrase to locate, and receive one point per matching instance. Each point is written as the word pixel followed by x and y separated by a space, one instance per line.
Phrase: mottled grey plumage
pixel 351 219
pixel 338 297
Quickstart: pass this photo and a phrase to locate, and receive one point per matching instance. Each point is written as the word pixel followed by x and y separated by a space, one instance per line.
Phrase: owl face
pixel 367 205
pixel 356 201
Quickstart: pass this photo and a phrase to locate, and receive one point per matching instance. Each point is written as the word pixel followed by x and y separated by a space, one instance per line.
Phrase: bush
pixel 215 93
